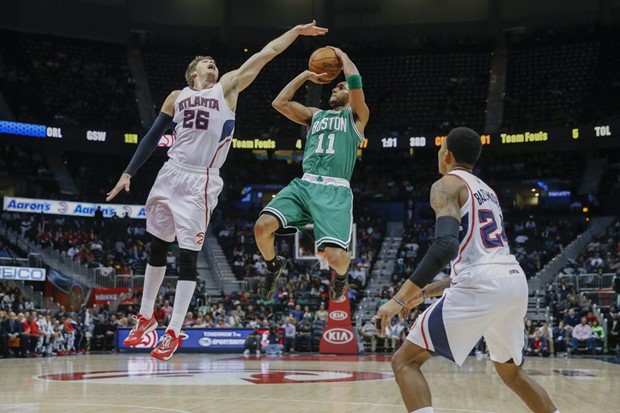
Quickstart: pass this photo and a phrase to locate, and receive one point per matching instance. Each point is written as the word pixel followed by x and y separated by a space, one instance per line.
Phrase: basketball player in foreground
pixel 485 295
pixel 322 195
pixel 187 187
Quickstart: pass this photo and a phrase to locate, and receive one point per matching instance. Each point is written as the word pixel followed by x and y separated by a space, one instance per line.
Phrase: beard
pixel 335 102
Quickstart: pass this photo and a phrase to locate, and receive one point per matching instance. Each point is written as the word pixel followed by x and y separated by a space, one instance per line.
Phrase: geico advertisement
pixel 79 209
pixel 22 273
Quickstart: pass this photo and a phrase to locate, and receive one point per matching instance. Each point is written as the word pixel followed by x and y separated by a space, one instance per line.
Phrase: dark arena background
pixel 81 83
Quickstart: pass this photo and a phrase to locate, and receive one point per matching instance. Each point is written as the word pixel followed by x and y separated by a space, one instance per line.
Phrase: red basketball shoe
pixel 142 327
pixel 168 345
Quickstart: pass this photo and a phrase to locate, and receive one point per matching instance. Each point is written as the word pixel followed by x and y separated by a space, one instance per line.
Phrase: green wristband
pixel 354 82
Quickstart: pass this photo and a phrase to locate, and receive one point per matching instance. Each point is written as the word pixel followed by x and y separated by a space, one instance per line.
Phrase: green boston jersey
pixel 331 144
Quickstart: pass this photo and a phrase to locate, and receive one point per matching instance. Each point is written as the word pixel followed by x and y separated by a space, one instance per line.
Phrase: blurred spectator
pixel 581 334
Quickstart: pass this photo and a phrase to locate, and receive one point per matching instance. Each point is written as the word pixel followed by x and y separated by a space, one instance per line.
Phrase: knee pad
pixel 159 250
pixel 187 265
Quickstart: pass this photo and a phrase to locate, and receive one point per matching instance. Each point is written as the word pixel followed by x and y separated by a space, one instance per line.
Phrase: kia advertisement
pixel 338 335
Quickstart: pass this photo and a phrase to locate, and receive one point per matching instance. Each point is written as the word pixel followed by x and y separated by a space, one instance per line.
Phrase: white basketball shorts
pixel 486 300
pixel 180 203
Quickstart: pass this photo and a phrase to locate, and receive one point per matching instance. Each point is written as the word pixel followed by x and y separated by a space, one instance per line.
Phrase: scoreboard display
pixel 125 140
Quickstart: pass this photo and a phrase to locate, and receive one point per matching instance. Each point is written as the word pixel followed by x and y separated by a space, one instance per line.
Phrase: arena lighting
pixel 533 189
pixel 585 210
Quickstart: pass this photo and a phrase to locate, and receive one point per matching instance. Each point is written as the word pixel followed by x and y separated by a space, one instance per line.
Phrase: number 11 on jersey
pixel 330 145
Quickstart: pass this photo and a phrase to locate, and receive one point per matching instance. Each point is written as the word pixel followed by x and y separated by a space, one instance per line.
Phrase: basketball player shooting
pixel 322 195
pixel 187 186
pixel 485 295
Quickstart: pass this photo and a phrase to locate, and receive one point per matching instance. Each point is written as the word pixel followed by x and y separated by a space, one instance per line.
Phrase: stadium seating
pixel 68 82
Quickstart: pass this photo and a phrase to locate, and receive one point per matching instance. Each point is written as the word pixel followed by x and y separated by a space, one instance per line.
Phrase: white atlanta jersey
pixel 488 294
pixel 482 237
pixel 187 187
pixel 204 128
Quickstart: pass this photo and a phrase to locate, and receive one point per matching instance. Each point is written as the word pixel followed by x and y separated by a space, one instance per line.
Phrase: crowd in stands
pixel 554 76
pixel 589 284
pixel 114 245
pixel 27 332
pixel 565 76
pixel 67 82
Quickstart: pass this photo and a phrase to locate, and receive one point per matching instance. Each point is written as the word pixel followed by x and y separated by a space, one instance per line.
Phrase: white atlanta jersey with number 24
pixel 204 128
pixel 482 237
pixel 488 292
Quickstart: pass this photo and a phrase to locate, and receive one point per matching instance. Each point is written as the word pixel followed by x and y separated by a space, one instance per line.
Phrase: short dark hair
pixel 191 67
pixel 465 145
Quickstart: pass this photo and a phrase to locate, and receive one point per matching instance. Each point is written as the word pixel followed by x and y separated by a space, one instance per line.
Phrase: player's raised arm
pixel 295 111
pixel 237 80
pixel 356 93
pixel 147 145
pixel 445 203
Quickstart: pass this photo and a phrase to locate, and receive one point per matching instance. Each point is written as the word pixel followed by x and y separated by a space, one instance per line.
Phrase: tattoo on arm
pixel 436 288
pixel 445 198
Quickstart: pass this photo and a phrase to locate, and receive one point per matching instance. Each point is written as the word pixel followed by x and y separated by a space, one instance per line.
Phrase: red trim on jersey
pixel 471 231
pixel 220 146
pixel 207 201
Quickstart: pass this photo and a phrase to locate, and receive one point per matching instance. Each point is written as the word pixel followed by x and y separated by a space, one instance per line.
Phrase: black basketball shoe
pixel 338 287
pixel 268 289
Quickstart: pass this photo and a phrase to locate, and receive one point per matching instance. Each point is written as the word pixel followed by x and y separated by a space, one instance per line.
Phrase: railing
pixel 595 281
pixel 14 238
pixel 579 244
pixel 113 280
pixel 598 288
pixel 604 298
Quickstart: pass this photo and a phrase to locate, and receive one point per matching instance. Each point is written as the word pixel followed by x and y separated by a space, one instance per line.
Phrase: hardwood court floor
pixel 299 384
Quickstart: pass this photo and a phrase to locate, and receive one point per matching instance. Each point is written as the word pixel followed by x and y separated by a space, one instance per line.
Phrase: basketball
pixel 325 60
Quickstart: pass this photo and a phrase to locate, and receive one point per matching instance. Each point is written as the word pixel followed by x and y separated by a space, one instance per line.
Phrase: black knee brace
pixel 187 265
pixel 159 250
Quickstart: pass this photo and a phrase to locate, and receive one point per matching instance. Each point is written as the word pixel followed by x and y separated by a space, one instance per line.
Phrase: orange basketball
pixel 325 60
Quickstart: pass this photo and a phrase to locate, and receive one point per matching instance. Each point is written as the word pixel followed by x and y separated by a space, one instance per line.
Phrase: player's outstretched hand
pixel 311 29
pixel 316 77
pixel 123 183
pixel 338 51
pixel 385 314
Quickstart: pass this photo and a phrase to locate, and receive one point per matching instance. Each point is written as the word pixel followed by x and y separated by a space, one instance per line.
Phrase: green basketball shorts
pixel 325 201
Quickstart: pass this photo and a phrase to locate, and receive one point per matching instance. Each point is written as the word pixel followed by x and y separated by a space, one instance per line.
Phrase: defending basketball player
pixel 322 195
pixel 187 187
pixel 485 295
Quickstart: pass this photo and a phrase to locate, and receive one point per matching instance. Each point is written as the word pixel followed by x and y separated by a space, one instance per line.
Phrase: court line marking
pixel 317 401
pixel 257 400
pixel 10 405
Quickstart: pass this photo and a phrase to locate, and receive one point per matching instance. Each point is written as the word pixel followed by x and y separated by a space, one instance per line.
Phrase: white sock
pixel 182 298
pixel 153 277
pixel 557 411
pixel 424 410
